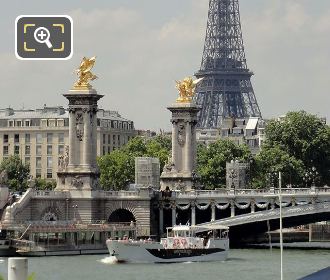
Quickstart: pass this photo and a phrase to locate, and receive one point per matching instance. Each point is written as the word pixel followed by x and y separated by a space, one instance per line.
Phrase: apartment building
pixel 39 136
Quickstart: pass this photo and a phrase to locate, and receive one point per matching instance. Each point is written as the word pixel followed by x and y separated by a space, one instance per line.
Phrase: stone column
pixel 72 127
pixel 232 209
pixel 193 215
pixel 87 139
pixel 213 212
pixel 161 219
pixel 188 148
pixel 173 215
pixel 174 142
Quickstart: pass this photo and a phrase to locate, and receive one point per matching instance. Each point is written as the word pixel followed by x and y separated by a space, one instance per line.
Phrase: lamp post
pixel 74 211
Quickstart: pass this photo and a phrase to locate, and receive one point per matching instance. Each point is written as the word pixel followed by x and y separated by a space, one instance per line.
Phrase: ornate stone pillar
pixel 87 139
pixel 184 119
pixel 174 141
pixel 173 206
pixel 188 148
pixel 213 212
pixel 232 209
pixel 193 214
pixel 72 136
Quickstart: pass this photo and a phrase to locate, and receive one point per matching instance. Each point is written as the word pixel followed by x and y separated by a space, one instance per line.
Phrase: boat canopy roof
pixel 196 227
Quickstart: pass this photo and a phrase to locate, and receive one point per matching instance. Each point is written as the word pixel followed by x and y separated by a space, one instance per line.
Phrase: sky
pixel 143 46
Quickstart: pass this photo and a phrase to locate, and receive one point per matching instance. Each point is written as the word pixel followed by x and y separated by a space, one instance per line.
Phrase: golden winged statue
pixel 186 89
pixel 84 73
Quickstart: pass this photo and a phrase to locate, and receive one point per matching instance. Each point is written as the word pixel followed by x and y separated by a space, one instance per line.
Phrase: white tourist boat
pixel 180 245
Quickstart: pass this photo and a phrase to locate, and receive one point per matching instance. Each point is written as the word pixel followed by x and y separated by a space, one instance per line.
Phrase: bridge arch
pixel 121 215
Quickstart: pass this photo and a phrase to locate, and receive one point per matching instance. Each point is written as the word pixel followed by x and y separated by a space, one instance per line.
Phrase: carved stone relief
pixel 79 126
pixel 77 182
pixel 181 134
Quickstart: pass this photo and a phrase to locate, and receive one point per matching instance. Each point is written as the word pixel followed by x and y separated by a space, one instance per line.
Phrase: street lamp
pixel 74 211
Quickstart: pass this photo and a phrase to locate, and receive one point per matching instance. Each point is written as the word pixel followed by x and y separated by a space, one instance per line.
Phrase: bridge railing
pixel 242 192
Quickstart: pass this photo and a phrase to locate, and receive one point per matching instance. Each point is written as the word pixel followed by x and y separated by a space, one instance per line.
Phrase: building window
pixel 113 139
pixel 11 123
pixel 5 138
pixel 19 123
pixel 27 161
pixel 52 123
pixel 5 150
pixel 39 138
pixel 60 123
pixel 27 123
pixel 38 150
pixel 49 174
pixel 103 150
pixel 109 139
pixel 104 139
pixel 38 163
pixel 27 138
pixel 27 149
pixel 49 149
pixel 16 138
pixel 38 173
pixel 49 138
pixel 61 149
pixel 61 138
pixel 109 150
pixel 16 150
pixel 49 162
pixel 118 139
pixel 44 123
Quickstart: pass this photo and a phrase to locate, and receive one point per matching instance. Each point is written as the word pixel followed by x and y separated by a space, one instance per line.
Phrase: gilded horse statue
pixel 186 89
pixel 84 73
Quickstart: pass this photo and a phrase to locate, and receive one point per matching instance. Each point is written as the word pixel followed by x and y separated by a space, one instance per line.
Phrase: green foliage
pixel 273 160
pixel 17 172
pixel 32 276
pixel 211 161
pixel 43 184
pixel 306 141
pixel 117 168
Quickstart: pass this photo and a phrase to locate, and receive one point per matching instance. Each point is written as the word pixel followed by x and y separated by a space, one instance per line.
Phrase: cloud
pixel 138 59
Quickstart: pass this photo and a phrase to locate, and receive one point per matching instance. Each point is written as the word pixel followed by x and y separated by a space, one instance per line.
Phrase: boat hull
pixel 139 252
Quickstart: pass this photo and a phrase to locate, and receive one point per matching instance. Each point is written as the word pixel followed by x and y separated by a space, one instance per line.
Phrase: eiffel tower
pixel 226 91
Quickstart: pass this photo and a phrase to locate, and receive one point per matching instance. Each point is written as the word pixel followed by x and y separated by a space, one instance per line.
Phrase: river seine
pixel 241 265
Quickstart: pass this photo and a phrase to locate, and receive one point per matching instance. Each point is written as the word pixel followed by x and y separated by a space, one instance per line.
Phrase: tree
pixel 269 162
pixel 43 184
pixel 305 138
pixel 211 161
pixel 118 167
pixel 17 172
pixel 159 147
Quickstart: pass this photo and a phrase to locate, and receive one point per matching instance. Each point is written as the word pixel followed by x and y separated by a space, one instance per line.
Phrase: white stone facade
pixel 40 136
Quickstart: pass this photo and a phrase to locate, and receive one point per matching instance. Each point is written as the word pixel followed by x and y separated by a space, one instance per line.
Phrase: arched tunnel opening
pixel 121 216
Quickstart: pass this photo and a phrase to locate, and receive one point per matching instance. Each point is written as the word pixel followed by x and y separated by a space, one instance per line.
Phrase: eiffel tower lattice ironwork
pixel 226 90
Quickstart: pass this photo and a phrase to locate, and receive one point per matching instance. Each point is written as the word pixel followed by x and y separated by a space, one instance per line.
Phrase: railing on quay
pixel 70 226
